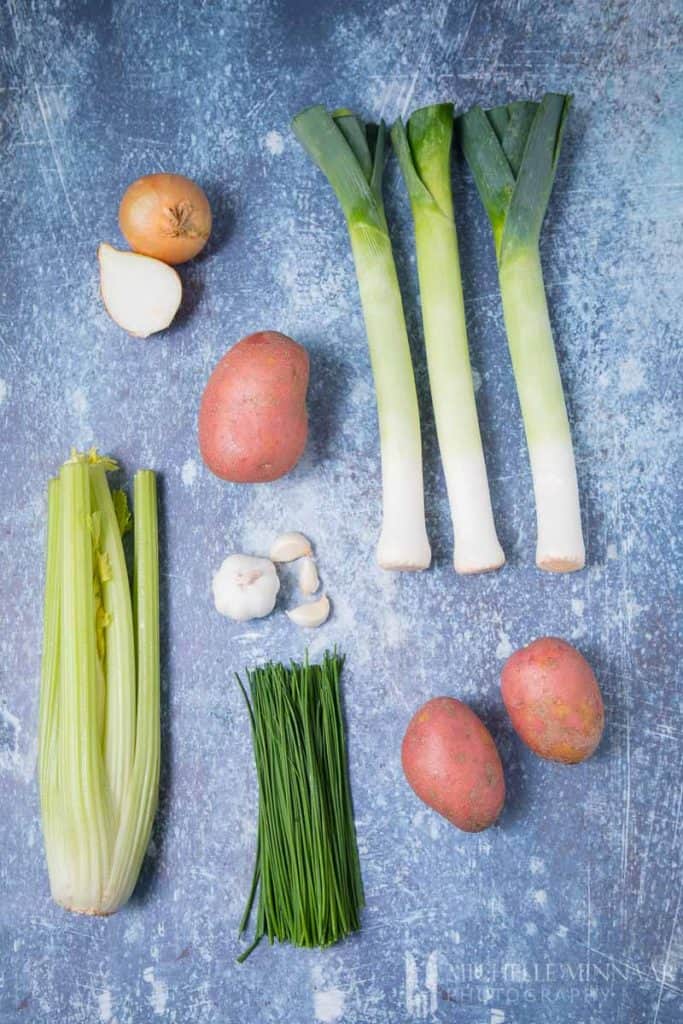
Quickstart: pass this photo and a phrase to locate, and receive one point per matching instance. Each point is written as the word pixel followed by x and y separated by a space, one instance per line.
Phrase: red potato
pixel 554 700
pixel 253 423
pixel 450 760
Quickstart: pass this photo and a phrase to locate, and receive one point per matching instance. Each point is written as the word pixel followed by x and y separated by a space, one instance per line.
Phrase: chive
pixel 306 870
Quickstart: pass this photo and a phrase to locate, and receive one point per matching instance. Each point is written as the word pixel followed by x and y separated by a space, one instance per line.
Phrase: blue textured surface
pixel 570 909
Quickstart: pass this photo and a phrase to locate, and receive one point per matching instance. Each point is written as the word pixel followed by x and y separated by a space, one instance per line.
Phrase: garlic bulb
pixel 245 587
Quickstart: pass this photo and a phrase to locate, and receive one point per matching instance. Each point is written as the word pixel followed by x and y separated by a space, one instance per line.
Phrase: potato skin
pixel 450 760
pixel 554 700
pixel 253 423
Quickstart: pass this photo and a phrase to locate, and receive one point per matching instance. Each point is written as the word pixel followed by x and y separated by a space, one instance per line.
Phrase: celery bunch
pixel 99 702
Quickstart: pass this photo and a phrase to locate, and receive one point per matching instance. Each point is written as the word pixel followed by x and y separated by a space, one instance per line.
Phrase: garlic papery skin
pixel 311 615
pixel 245 587
pixel 290 546
pixel 309 581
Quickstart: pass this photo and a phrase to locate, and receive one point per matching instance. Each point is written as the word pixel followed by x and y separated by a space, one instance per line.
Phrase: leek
pixel 98 761
pixel 423 148
pixel 351 155
pixel 512 152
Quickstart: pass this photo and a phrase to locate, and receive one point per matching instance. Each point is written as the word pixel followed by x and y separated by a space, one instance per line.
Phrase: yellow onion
pixel 165 216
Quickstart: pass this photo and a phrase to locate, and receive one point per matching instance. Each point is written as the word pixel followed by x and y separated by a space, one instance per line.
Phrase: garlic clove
pixel 312 614
pixel 140 294
pixel 290 546
pixel 245 587
pixel 309 580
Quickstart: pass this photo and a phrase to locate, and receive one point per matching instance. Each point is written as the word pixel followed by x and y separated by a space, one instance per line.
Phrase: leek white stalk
pixel 98 759
pixel 351 155
pixel 423 148
pixel 512 152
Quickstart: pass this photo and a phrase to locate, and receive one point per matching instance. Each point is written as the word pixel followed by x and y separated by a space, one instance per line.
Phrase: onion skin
pixel 553 700
pixel 165 216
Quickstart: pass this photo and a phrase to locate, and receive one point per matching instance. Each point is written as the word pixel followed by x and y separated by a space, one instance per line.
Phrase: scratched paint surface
pixel 570 909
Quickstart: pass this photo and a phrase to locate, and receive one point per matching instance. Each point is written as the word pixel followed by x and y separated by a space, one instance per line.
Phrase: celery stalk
pixel 512 152
pixel 85 820
pixel 140 802
pixel 423 148
pixel 351 156
pixel 50 681
pixel 119 737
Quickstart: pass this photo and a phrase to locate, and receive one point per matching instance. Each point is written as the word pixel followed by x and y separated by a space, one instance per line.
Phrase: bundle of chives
pixel 307 867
